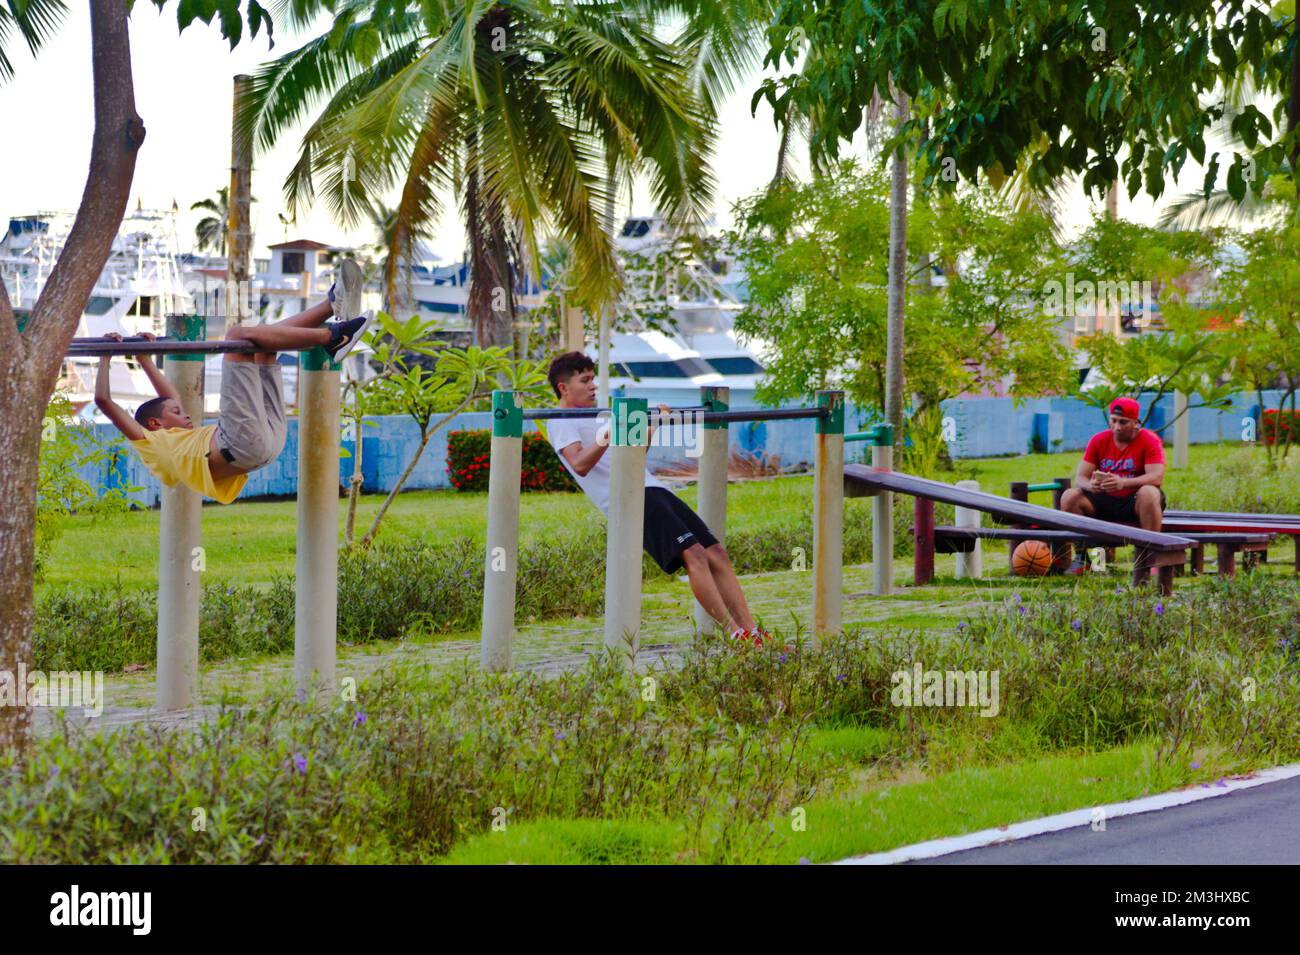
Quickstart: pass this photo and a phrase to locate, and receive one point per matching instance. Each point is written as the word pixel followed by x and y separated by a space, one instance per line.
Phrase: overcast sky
pixel 183 93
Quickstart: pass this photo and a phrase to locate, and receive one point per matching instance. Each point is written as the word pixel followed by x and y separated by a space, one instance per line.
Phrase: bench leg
pixel 923 543
pixel 1141 566
pixel 1227 560
pixel 1198 560
pixel 1296 540
pixel 1166 576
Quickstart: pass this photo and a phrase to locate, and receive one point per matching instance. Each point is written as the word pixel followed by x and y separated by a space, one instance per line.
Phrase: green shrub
pixel 421 762
pixel 414 767
pixel 469 459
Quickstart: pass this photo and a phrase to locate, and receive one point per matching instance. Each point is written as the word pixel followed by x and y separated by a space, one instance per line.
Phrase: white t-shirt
pixel 562 432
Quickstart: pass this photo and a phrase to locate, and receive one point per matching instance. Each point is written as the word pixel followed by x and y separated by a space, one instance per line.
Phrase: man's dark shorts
pixel 671 527
pixel 1118 510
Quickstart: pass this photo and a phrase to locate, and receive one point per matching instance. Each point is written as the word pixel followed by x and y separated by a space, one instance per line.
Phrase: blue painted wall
pixel 983 427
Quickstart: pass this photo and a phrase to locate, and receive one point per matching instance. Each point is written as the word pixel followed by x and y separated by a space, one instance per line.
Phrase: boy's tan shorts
pixel 252 426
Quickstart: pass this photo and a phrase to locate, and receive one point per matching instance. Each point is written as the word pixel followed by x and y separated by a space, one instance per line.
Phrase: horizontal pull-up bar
pixel 701 412
pixel 101 347
pixel 547 414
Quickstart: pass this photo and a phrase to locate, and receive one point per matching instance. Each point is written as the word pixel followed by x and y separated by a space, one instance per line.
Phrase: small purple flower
pixel 841 678
pixel 781 658
pixel 300 763
pixel 1196 766
pixel 1076 625
pixel 962 625
pixel 1118 590
pixel 1016 598
pixel 1020 608
pixel 1160 609
pixel 260 839
pixel 359 719
pixel 804 860
pixel 561 735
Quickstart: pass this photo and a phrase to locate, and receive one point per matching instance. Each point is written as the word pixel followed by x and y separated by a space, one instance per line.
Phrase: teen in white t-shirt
pixel 674 535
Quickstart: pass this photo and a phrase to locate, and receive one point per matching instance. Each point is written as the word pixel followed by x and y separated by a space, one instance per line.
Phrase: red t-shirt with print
pixel 1145 449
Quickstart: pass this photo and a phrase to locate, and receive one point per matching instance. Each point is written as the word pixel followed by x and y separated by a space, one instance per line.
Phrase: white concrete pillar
pixel 179 536
pixel 623 546
pixel 315 629
pixel 501 565
pixel 828 517
pixel 882 517
pixel 970 565
pixel 715 453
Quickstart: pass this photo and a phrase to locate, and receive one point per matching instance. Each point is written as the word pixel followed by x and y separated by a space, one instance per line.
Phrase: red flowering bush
pixel 1280 427
pixel 469 457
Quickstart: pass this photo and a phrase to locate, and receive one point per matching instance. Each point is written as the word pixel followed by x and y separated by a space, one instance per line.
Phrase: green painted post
pixel 626 520
pixel 179 544
pixel 828 516
pixel 715 449
pixel 501 565
pixel 315 631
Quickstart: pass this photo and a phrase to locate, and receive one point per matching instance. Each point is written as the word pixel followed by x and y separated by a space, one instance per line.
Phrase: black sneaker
pixel 345 335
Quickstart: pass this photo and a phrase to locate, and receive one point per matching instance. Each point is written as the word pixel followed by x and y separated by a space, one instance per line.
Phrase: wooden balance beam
pixel 1153 549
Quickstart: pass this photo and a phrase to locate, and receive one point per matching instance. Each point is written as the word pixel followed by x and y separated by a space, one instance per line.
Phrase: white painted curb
pixel 1071 820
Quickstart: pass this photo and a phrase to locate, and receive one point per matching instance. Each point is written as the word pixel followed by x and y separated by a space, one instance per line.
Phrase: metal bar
pixel 99 347
pixel 704 415
pixel 547 414
pixel 763 414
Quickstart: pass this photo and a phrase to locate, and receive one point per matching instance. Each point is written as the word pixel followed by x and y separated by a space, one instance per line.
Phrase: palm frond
pixel 35 21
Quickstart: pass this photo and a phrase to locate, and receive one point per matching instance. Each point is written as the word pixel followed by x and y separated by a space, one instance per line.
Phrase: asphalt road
pixel 1258 826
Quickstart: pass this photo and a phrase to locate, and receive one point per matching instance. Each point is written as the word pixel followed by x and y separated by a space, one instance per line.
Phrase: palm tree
pixel 210 231
pixel 520 109
pixel 35 20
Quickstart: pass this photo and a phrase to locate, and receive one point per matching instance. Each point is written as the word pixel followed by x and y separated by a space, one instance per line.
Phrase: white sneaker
pixel 345 294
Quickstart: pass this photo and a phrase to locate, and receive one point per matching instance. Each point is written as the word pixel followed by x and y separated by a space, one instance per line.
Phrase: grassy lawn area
pixel 875 813
pixel 1083 722
pixel 250 542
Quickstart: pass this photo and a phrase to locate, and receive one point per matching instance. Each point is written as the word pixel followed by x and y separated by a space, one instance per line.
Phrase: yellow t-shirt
pixel 180 456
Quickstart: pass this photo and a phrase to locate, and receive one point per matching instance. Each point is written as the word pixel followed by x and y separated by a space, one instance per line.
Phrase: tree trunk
pixel 239 222
pixel 897 298
pixel 30 362
pixel 1293 100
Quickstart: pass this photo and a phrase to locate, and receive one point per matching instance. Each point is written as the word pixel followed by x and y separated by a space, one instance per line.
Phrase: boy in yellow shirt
pixel 215 459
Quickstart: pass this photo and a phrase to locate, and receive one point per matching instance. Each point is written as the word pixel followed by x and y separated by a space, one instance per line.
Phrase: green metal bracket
pixel 711 398
pixel 186 328
pixel 507 414
pixel 833 422
pixel 631 419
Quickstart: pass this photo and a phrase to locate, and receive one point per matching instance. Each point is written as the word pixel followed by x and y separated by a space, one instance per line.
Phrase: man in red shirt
pixel 1121 472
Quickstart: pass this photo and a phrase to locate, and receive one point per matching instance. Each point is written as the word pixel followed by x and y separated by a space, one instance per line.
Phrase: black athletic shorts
pixel 671 527
pixel 1118 510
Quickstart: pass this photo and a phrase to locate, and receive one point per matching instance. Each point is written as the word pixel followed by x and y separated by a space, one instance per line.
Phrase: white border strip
pixel 1071 820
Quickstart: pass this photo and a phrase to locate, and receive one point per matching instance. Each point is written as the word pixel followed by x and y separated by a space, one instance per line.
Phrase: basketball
pixel 1031 559
pixel 1064 557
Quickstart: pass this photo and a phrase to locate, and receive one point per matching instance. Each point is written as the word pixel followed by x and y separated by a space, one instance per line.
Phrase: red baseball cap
pixel 1125 407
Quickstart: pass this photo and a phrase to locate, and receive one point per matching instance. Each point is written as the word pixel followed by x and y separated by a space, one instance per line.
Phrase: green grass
pixel 250 542
pixel 876 815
